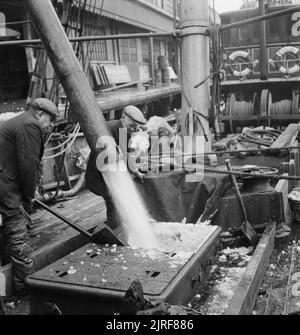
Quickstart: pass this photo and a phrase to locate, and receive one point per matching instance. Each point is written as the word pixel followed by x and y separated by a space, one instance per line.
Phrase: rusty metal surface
pixel 260 207
pixel 113 268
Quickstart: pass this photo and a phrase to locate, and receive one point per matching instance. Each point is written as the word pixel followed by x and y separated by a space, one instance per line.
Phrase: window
pixel 90 51
pixel 128 51
pixel 96 50
pixel 158 3
pixel 274 29
pixel 161 4
pixel 168 6
pixel 145 50
pixel 243 33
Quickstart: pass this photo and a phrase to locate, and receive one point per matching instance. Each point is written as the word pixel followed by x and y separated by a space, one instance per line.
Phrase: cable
pixel 48 140
pixel 64 150
pixel 75 131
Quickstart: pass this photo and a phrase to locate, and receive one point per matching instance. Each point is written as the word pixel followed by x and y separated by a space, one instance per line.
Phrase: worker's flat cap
pixel 46 106
pixel 134 114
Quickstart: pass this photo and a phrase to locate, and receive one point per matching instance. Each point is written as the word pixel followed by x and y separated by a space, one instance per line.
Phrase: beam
pixel 157 35
pixel 244 298
pixel 260 18
pixel 288 137
pixel 137 98
pixel 92 38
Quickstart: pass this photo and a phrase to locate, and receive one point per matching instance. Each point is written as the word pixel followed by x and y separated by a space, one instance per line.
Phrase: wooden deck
pixel 55 238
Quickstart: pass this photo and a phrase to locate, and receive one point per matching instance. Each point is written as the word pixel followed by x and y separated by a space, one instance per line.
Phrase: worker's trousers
pixel 13 231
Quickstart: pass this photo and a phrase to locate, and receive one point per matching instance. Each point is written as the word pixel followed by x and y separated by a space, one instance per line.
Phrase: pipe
pixel 151 59
pixel 269 45
pixel 68 70
pixel 93 38
pixel 63 194
pixel 263 43
pixel 195 64
pixel 260 18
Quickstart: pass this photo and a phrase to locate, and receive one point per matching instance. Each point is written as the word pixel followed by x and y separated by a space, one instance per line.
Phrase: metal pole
pixel 151 60
pixel 263 43
pixel 194 24
pixel 68 69
pixel 167 34
pixel 261 18
pixel 92 38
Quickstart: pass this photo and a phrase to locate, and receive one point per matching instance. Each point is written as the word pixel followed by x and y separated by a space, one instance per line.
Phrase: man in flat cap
pixel 21 149
pixel 131 119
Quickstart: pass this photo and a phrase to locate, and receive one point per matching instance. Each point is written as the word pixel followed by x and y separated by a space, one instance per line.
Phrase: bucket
pixel 295 205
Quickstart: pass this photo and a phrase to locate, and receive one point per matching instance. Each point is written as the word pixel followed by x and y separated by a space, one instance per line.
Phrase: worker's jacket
pixel 93 178
pixel 21 149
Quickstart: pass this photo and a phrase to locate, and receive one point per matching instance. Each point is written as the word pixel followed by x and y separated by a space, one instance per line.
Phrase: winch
pixel 259 184
pixel 95 278
pixel 263 203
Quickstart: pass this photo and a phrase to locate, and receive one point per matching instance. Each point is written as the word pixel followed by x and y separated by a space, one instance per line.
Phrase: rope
pixel 65 149
pixel 74 133
pixel 48 140
pixel 243 108
pixel 282 107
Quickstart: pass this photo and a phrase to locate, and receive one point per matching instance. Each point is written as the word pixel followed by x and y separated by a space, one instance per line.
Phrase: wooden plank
pixel 103 74
pixel 117 74
pixel 225 142
pixel 292 171
pixel 100 74
pixel 124 85
pixel 96 74
pixel 245 295
pixel 287 137
pixel 283 187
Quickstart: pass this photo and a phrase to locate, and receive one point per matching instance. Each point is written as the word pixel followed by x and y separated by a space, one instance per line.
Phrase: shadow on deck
pixel 54 238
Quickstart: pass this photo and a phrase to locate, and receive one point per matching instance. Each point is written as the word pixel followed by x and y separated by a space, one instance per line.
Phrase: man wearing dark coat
pixel 21 150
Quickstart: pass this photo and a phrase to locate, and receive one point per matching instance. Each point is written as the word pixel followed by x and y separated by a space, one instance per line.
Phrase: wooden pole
pixel 195 69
